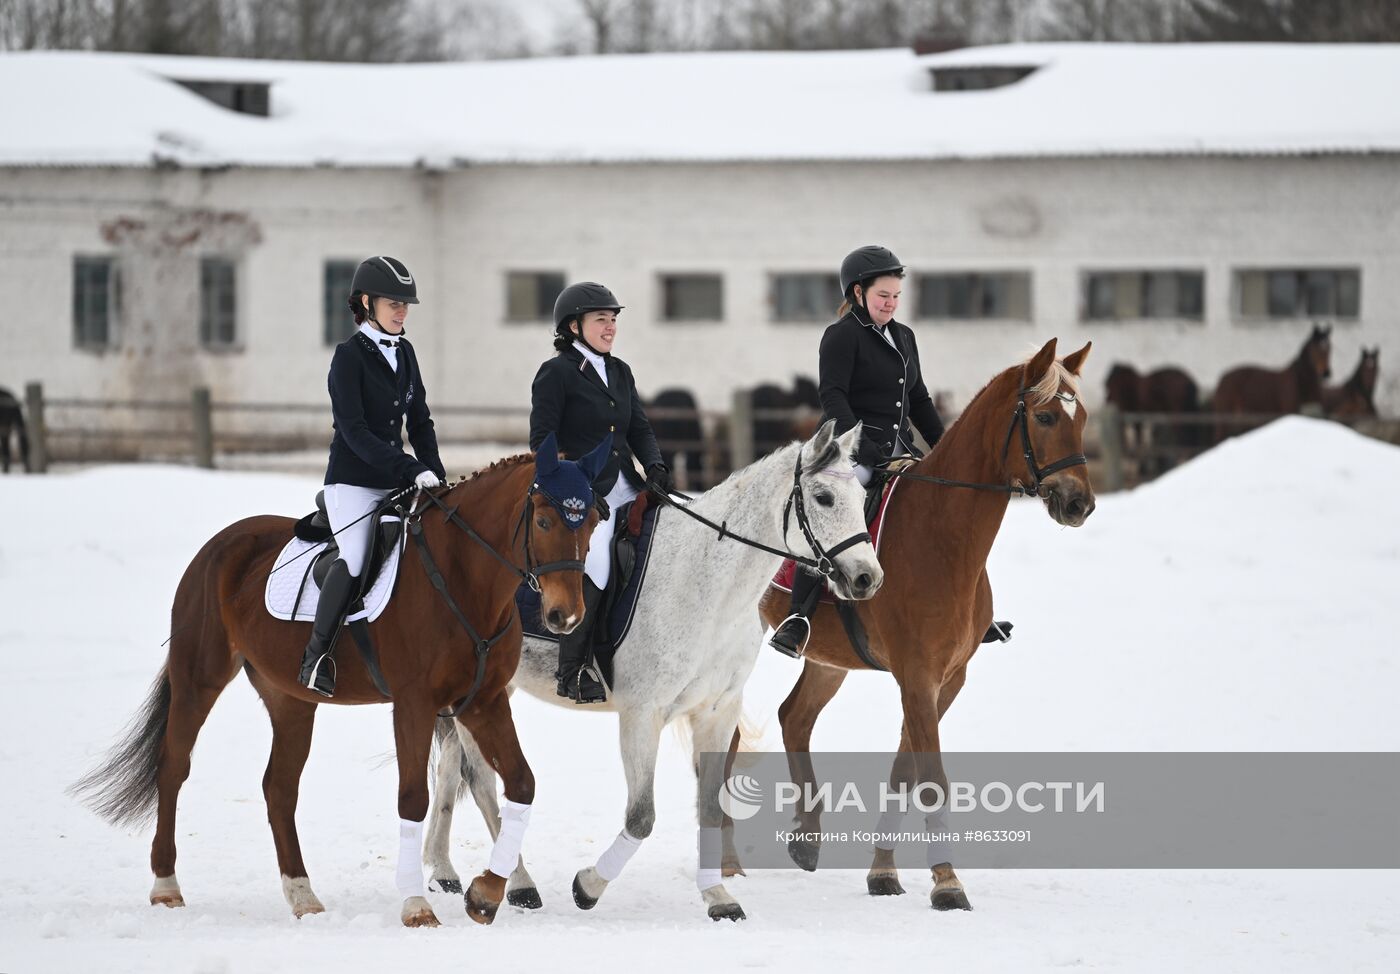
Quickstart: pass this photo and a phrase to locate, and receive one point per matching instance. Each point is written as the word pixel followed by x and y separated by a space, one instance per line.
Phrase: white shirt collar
pixel 374 335
pixel 599 364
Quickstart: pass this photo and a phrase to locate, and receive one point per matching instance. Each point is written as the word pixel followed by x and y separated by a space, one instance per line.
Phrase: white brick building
pixel 1183 205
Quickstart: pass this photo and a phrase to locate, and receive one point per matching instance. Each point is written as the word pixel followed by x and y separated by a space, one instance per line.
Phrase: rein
pixel 822 564
pixel 530 575
pixel 1037 472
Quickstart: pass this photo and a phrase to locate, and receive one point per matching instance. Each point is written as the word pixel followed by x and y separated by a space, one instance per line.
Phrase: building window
pixel 1120 295
pixel 96 300
pixel 530 294
pixel 805 297
pixel 692 297
pixel 973 296
pixel 217 303
pixel 1288 293
pixel 978 78
pixel 244 97
pixel 338 322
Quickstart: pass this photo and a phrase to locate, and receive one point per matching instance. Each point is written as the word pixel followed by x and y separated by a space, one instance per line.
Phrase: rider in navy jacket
pixel 377 397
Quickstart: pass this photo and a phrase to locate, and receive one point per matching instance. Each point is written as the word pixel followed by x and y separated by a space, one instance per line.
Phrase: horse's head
pixel 1317 351
pixel 1369 370
pixel 1052 430
pixel 1122 386
pixel 825 518
pixel 559 517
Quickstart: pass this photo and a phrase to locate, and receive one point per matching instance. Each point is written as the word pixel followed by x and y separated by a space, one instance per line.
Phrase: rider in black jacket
pixel 582 395
pixel 869 373
pixel 377 397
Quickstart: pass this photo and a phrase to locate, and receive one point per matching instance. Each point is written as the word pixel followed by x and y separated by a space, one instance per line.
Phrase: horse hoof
pixel 307 909
pixel 417 913
pixel 727 911
pixel 453 886
pixel 950 899
pixel 527 898
pixel 805 854
pixel 173 900
pixel 731 868
pixel 481 907
pixel 885 886
pixel 581 899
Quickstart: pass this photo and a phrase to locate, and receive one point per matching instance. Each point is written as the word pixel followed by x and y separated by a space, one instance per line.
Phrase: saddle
pixel 316 528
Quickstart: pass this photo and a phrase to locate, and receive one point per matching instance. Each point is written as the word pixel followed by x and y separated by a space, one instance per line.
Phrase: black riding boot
pixel 998 632
pixel 577 675
pixel 790 639
pixel 318 661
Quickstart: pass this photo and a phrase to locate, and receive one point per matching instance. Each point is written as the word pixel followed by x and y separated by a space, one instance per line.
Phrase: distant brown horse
pixel 928 619
pixel 12 425
pixel 429 664
pixel 1356 397
pixel 1165 390
pixel 1251 389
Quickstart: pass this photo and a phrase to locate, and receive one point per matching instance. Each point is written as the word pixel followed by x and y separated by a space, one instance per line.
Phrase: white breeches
pixel 346 504
pixel 863 474
pixel 597 565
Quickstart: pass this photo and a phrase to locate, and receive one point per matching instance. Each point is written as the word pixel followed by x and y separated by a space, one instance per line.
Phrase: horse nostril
pixel 863 582
pixel 556 619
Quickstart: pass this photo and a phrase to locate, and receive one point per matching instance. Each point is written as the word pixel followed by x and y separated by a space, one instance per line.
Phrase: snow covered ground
pixel 1236 604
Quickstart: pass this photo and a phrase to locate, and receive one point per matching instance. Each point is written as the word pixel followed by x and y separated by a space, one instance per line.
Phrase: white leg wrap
pixel 939 850
pixel 611 862
pixel 505 854
pixel 409 876
pixel 890 823
pixel 708 873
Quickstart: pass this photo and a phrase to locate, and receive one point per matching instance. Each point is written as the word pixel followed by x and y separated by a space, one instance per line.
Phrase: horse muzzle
pixel 861 582
pixel 1069 505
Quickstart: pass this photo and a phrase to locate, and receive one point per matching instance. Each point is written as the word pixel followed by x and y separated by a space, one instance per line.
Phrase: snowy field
pixel 1236 604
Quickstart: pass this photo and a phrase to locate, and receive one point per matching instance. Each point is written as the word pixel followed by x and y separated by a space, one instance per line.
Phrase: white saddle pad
pixel 284 583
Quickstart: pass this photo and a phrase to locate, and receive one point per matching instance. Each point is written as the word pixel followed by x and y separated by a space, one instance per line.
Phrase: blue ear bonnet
pixel 568 484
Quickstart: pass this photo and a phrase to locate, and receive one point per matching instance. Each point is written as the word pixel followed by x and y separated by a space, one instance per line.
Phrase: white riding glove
pixel 426 480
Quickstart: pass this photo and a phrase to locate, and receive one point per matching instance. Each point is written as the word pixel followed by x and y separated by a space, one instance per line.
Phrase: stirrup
pixel 795 652
pixel 319 680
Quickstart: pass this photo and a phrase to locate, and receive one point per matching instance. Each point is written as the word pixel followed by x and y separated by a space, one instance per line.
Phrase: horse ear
pixel 850 440
pixel 1039 364
pixel 547 456
pixel 593 463
pixel 1074 361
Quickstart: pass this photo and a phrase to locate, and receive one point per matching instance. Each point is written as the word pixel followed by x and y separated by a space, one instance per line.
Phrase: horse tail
pixel 122 788
pixel 750 733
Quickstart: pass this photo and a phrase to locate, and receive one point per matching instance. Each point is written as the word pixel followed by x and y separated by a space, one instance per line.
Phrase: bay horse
pixel 429 663
pixel 689 651
pixel 1355 398
pixel 1165 390
pixel 1251 389
pixel 12 426
pixel 928 619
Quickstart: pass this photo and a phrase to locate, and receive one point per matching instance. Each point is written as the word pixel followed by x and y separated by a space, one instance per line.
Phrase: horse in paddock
pixel 431 661
pixel 928 619
pixel 1164 390
pixel 1253 389
pixel 689 651
pixel 1355 398
pixel 12 427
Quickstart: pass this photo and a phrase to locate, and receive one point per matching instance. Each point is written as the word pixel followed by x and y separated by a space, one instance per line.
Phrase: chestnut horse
pixel 429 663
pixel 928 619
pixel 1355 398
pixel 1250 389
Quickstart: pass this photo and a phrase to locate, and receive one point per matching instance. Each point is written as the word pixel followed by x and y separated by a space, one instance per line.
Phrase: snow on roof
pixel 1082 100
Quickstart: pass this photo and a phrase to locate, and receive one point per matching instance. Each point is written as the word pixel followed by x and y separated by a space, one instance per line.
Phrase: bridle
pixel 1020 418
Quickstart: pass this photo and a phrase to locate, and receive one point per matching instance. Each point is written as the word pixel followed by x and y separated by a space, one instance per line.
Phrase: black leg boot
pixel 317 662
pixel 577 676
pixel 790 639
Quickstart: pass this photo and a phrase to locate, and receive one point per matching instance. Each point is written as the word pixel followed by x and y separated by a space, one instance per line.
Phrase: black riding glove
pixel 660 480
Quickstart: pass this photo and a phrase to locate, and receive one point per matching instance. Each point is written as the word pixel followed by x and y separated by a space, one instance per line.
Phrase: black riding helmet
pixel 384 277
pixel 576 299
pixel 865 263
